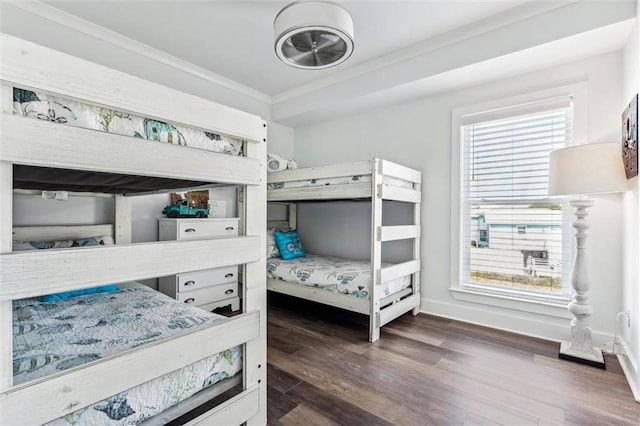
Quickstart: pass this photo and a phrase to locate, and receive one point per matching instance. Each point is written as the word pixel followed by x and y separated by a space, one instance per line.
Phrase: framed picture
pixel 195 197
pixel 630 138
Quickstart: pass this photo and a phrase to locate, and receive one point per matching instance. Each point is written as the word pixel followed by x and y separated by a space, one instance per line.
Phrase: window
pixel 513 237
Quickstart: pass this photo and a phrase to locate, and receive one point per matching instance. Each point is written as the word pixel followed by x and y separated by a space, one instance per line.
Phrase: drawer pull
pixel 190 300
pixel 229 228
pixel 190 282
pixel 229 291
pixel 190 230
pixel 229 275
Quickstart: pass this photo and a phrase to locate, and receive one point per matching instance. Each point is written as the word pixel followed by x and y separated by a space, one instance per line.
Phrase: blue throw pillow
pixel 289 244
pixel 109 288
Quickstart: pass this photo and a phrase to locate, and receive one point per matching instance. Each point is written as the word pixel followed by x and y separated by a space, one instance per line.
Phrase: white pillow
pixel 276 163
pixel 272 247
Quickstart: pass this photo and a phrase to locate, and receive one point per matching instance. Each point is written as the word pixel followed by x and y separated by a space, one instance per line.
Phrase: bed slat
pixel 36 67
pixel 235 411
pixel 201 397
pixel 41 143
pixel 399 270
pixel 353 304
pixel 108 264
pixel 60 233
pixel 400 172
pixel 392 192
pixel 394 311
pixel 321 172
pixel 329 192
pixel 392 233
pixel 386 301
pixel 69 391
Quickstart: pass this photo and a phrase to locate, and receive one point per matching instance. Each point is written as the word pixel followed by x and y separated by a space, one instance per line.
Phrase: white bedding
pixel 50 108
pixel 352 277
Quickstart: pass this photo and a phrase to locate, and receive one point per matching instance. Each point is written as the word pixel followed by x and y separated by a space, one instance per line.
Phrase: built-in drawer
pixel 188 281
pixel 206 228
pixel 208 294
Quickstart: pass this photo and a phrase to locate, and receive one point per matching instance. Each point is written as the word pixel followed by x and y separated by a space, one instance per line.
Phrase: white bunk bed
pixel 47 155
pixel 376 180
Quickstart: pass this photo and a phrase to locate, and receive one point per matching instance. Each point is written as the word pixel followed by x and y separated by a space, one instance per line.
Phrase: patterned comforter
pixel 55 336
pixel 50 108
pixel 352 277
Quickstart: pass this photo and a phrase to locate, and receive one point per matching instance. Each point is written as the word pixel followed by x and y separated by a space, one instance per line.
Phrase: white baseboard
pixel 630 368
pixel 556 329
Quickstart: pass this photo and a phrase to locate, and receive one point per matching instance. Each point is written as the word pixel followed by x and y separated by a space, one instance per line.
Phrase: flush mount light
pixel 313 35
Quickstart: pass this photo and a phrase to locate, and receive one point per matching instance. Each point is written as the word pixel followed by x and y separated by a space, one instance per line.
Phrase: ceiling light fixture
pixel 313 35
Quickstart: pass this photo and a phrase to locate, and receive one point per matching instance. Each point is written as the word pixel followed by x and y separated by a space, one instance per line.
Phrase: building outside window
pixel 512 235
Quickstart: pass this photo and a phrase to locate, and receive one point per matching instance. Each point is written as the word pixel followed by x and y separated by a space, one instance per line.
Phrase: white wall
pixel 350 236
pixel 418 134
pixel 147 209
pixel 631 242
pixel 280 140
pixel 33 210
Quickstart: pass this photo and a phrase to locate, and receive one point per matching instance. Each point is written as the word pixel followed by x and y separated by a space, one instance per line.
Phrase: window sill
pixel 554 306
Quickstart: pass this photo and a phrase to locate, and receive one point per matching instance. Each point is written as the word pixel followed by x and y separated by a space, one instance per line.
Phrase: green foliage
pixel 107 116
pixel 517 281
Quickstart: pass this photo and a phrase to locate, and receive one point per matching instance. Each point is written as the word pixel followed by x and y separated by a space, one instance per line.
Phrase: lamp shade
pixel 313 34
pixel 587 169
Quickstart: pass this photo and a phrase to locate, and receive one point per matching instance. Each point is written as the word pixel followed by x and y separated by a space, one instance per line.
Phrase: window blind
pixel 509 158
pixel 512 231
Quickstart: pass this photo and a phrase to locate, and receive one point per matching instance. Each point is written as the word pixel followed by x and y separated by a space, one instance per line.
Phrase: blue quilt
pixel 49 337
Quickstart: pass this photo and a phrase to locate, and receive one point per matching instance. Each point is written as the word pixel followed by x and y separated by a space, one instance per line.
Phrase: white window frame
pixel 544 304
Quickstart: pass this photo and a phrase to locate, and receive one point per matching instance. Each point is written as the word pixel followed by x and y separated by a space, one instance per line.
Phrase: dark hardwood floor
pixel 427 370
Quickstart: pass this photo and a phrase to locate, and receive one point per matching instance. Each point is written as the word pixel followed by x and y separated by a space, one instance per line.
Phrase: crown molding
pixel 425 47
pixel 96 31
pixel 428 71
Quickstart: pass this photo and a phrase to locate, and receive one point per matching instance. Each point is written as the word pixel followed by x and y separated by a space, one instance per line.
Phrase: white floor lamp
pixel 579 170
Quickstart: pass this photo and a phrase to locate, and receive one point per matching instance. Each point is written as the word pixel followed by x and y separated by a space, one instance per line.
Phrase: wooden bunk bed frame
pixel 380 310
pixel 30 142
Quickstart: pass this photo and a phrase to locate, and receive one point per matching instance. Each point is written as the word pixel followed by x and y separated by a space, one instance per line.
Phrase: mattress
pixel 58 110
pixel 342 180
pixel 345 276
pixel 55 336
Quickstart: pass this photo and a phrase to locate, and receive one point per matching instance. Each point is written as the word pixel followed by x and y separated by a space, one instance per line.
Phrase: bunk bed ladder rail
pixel 376 250
pixel 6 226
pixel 408 299
pixel 254 297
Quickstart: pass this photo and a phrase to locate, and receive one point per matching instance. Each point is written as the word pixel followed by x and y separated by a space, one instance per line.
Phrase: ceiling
pixel 235 38
pixel 403 49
